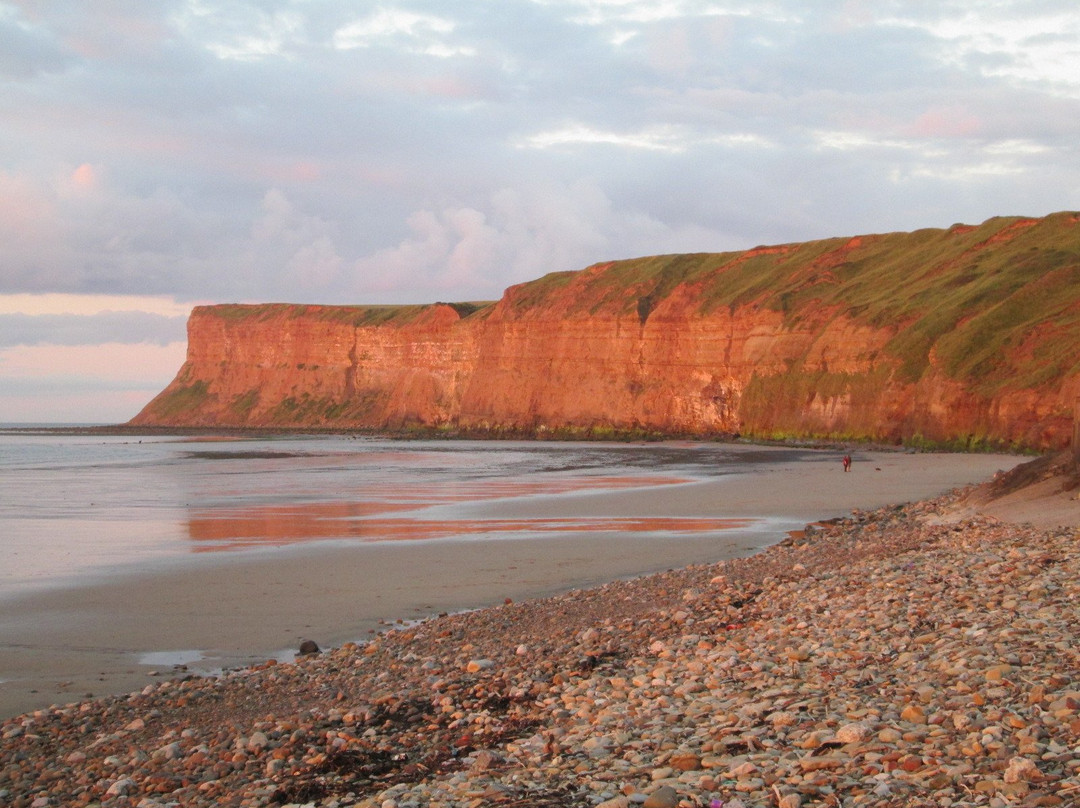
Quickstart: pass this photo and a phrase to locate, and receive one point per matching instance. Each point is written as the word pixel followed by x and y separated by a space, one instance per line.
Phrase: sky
pixel 157 156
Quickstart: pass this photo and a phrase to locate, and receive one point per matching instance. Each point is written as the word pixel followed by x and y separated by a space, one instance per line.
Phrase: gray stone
pixel 663 797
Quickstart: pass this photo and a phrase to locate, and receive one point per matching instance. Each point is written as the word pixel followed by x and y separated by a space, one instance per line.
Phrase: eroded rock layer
pixel 960 336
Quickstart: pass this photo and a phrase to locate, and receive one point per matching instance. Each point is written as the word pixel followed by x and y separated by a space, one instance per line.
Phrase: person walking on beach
pixel 847 462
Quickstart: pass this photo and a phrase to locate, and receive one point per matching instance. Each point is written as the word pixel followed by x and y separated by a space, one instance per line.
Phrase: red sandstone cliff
pixel 959 335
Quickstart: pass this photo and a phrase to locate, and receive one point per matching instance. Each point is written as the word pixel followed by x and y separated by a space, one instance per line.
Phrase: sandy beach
pixel 238 609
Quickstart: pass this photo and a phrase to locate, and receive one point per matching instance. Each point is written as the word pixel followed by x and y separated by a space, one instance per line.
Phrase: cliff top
pixel 354 315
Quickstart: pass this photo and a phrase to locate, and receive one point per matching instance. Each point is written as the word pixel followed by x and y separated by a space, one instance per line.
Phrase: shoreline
pixel 239 610
pixel 529 435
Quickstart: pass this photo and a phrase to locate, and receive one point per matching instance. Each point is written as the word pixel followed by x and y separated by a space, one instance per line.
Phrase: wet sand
pixel 234 609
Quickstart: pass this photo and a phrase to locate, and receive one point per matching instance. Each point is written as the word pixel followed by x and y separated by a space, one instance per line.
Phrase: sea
pixel 80 507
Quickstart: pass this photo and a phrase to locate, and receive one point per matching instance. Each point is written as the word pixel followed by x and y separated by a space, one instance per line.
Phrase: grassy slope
pixel 998 304
pixel 358 316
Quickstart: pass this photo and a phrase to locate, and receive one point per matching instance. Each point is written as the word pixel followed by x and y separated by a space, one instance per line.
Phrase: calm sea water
pixel 76 507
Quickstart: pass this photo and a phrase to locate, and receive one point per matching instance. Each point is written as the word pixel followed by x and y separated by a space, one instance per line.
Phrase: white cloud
pixel 669 139
pixel 855 140
pixel 977 170
pixel 604 12
pixel 425 33
pixel 1008 40
pixel 1017 146
pixel 940 159
pixel 390 22
pixel 449 249
pixel 521 234
pixel 240 32
pixel 739 140
pixel 443 51
pixel 298 248
pixel 656 138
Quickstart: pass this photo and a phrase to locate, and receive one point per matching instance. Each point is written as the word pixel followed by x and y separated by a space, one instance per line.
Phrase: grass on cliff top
pixel 534 293
pixel 967 297
pixel 356 316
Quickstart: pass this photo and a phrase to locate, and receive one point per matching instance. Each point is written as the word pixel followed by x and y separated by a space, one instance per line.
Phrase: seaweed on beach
pixel 410 742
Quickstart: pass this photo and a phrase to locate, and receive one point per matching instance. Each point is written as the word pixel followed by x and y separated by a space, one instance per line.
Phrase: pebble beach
pixel 912 655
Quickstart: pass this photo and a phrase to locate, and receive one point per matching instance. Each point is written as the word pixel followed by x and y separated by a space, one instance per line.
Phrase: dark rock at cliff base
pixel 309 648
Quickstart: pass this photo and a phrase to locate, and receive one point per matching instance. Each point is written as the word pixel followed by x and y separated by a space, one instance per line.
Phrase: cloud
pixel 1035 45
pixel 670 139
pixel 86 305
pixel 113 32
pixel 84 177
pixel 662 138
pixel 31 232
pixel 90 320
pixel 255 35
pixel 426 34
pixel 608 12
pixel 291 248
pixel 25 50
pixel 78 232
pixel 106 383
pixel 69 402
pixel 519 234
pixel 430 258
pixel 117 327
pixel 121 364
pixel 940 122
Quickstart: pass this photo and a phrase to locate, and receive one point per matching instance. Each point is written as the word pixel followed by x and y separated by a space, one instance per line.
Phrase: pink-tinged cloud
pixel 27 212
pixel 106 383
pixel 102 31
pixel 305 171
pixel 84 177
pixel 87 305
pixel 942 122
pixel 852 14
pixel 74 406
pixel 110 362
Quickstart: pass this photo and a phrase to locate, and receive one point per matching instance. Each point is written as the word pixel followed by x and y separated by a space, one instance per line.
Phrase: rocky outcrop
pixel 969 335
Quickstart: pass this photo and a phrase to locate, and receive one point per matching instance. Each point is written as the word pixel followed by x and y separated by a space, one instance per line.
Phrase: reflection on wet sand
pixel 438 493
pixel 219 529
pixel 254 528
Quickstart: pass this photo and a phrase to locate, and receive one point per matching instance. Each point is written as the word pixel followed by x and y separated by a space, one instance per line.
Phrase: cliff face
pixel 958 335
pixel 318 366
